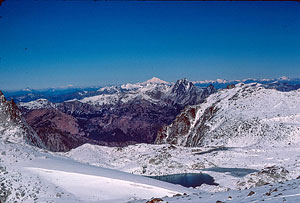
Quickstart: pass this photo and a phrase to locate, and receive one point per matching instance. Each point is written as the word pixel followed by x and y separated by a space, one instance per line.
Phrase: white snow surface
pixel 156 80
pixel 37 104
pixel 29 174
pixel 130 92
pixel 167 159
pixel 250 114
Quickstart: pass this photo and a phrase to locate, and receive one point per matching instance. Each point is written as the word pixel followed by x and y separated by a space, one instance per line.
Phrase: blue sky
pixel 56 43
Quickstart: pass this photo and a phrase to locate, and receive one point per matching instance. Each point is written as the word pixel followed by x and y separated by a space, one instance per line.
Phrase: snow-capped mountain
pixel 247 80
pixel 243 115
pixel 156 80
pixel 57 95
pixel 282 84
pixel 37 104
pixel 128 113
pixel 109 90
pixel 118 116
pixel 135 112
pixel 154 90
pixel 151 90
pixel 184 92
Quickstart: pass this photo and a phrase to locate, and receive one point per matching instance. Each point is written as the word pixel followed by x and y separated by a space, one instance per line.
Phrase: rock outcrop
pixel 13 127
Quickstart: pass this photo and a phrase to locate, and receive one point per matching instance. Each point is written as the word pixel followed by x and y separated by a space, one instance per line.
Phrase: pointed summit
pixel 182 85
pixel 157 81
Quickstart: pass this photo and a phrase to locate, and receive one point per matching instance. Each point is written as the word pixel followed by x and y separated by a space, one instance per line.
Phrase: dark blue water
pixel 187 179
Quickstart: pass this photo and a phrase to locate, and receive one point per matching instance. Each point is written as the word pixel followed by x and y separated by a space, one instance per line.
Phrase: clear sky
pixel 57 43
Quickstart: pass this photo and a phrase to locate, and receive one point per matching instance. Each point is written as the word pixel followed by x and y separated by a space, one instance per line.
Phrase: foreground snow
pixel 272 175
pixel 281 192
pixel 168 159
pixel 29 174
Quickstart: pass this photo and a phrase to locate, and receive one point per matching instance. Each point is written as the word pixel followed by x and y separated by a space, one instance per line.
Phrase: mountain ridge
pixel 119 116
pixel 239 116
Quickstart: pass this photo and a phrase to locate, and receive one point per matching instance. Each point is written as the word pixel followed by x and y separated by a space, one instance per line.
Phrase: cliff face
pixel 58 131
pixel 237 116
pixel 186 125
pixel 13 127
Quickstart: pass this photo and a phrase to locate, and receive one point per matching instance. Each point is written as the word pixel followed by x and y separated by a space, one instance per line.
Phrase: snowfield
pixel 273 169
pixel 153 160
pixel 37 104
pixel 29 174
pixel 32 175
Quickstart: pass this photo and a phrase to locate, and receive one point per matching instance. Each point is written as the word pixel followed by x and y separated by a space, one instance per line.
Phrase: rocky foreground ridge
pixel 13 127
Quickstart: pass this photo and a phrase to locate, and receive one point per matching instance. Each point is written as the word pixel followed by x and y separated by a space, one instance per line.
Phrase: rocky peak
pixel 184 92
pixel 210 89
pixel 181 86
pixel 13 127
pixel 2 97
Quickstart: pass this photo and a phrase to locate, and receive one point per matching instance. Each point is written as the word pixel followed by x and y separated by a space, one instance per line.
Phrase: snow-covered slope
pixel 32 175
pixel 240 116
pixel 37 104
pixel 257 164
pixel 150 90
pixel 273 193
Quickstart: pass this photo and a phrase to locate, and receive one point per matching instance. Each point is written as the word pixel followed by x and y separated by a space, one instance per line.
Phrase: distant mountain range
pixel 115 116
pixel 121 115
pixel 57 95
pixel 52 94
pixel 283 83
